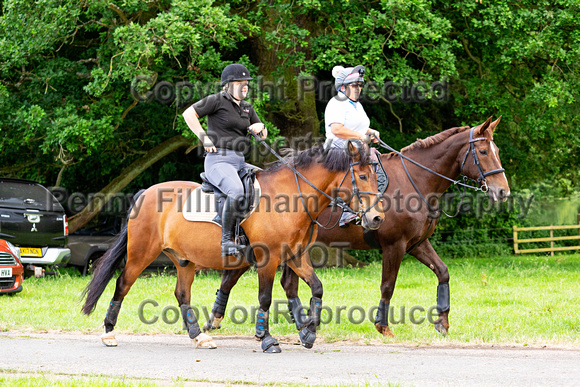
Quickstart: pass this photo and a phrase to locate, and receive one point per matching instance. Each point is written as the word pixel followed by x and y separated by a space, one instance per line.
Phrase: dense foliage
pixel 88 87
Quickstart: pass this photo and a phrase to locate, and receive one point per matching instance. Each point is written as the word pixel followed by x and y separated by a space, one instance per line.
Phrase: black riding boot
pixel 229 247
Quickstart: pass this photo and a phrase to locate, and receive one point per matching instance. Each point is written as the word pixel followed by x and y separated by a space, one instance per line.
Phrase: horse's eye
pixel 363 177
pixel 483 152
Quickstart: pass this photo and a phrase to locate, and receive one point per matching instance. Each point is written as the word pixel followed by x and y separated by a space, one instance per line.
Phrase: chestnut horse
pixel 411 214
pixel 155 224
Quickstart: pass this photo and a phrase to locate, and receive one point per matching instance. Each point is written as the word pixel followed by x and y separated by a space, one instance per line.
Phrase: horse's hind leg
pixel 137 260
pixel 427 256
pixel 229 279
pixel 290 282
pixel 306 325
pixel 185 277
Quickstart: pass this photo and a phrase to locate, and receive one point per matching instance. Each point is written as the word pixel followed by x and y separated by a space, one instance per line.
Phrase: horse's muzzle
pixel 372 221
pixel 498 194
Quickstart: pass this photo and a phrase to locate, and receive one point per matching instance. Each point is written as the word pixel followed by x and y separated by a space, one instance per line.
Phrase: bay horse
pixel 408 225
pixel 156 224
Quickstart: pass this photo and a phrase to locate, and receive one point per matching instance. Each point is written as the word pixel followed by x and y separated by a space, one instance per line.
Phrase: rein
pixel 298 174
pixel 338 201
pixel 480 180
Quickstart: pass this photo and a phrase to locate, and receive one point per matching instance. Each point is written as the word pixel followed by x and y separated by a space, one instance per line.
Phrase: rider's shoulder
pixel 246 104
pixel 211 98
pixel 337 102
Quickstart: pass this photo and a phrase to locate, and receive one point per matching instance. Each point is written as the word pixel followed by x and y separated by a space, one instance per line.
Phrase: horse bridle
pixel 481 180
pixel 337 201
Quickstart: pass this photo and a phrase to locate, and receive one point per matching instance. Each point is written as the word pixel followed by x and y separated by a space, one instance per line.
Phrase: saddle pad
pixel 200 206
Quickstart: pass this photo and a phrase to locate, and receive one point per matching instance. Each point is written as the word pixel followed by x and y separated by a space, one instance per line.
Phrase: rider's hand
pixel 365 138
pixel 208 145
pixel 259 129
pixel 374 134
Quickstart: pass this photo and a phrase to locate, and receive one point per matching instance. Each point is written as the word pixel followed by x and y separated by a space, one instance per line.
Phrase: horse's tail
pixel 106 266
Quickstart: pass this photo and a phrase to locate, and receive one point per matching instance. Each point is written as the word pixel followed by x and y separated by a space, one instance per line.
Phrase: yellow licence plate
pixel 30 252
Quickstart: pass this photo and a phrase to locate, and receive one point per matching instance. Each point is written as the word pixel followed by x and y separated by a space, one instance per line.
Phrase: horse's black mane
pixel 335 160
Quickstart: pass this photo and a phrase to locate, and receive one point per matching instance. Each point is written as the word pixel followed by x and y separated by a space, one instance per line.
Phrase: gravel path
pixel 164 358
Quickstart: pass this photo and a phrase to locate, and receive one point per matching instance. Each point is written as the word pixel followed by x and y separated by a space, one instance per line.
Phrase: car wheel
pixel 91 262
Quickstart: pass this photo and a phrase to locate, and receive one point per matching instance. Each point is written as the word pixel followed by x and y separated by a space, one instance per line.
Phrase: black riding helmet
pixel 235 72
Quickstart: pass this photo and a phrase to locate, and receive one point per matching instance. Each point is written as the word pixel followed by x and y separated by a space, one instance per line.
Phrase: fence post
pixel 516 237
pixel 552 240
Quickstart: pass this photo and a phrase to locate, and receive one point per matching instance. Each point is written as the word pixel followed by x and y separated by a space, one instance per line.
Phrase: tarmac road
pixel 164 358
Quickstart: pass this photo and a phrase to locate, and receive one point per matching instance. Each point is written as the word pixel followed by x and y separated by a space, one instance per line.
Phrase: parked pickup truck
pixel 32 219
pixel 89 244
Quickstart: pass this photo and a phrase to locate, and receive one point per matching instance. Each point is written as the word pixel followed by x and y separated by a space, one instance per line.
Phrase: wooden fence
pixel 550 239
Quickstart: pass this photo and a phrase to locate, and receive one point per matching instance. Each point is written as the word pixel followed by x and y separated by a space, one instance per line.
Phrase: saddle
pixel 248 177
pixel 248 204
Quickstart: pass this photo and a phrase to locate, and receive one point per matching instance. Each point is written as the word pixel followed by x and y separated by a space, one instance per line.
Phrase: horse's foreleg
pixel 266 273
pixel 392 257
pixel 427 256
pixel 306 326
pixel 229 279
pixel 185 277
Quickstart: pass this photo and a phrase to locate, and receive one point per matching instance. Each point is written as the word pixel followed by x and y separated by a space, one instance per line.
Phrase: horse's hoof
pixel 270 344
pixel 214 323
pixel 217 322
pixel 204 341
pixel 206 327
pixel 108 339
pixel 307 338
pixel 384 330
pixel 441 329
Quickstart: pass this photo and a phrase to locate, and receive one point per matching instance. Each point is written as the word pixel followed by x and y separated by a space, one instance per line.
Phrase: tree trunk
pixel 127 175
pixel 291 109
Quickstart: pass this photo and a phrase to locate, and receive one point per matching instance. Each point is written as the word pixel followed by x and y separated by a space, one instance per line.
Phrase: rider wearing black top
pixel 228 120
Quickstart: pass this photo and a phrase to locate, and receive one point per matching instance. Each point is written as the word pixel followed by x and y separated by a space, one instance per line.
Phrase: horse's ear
pixel 353 152
pixel 480 129
pixel 494 124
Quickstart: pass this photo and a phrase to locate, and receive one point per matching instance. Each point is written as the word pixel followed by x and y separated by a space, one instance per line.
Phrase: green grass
pixel 36 380
pixel 525 300
pixel 20 379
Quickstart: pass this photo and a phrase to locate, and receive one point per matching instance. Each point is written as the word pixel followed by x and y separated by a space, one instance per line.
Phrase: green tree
pixel 86 86
pixel 66 74
pixel 520 60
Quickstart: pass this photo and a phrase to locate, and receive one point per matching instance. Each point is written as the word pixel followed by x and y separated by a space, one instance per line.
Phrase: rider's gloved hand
pixel 365 138
pixel 374 135
pixel 208 145
pixel 259 129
